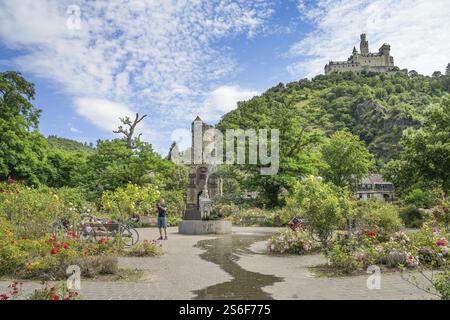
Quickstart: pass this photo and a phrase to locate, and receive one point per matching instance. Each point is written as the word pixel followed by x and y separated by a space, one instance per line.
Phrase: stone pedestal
pixel 204 227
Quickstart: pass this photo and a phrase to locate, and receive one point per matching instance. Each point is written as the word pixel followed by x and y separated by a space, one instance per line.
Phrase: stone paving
pixel 181 271
pixel 300 283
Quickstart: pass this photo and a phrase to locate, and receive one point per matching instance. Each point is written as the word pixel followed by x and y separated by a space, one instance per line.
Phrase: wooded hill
pixel 376 107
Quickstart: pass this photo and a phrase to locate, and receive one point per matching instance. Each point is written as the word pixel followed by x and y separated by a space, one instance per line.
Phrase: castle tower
pixel 365 61
pixel 364 44
pixel 385 50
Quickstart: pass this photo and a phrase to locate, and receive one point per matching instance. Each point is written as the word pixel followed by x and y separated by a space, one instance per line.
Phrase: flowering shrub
pixel 33 211
pixel 292 242
pixel 146 249
pixel 343 258
pixel 55 293
pixel 30 258
pixel 441 214
pixel 126 201
pixel 381 214
pixel 427 248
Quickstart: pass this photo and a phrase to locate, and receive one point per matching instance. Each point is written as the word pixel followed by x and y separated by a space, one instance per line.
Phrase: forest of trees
pixel 27 156
pixel 396 123
pixel 401 117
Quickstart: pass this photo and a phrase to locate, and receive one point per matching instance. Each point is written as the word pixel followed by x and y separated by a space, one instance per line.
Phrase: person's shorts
pixel 162 222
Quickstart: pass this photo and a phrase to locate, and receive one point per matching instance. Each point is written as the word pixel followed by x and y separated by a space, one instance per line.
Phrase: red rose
pixel 54 298
pixel 10 180
pixel 54 251
pixel 440 243
pixel 4 297
pixel 65 245
pixel 1 190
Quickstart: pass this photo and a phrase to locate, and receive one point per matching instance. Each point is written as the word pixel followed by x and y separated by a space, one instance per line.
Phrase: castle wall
pixel 374 62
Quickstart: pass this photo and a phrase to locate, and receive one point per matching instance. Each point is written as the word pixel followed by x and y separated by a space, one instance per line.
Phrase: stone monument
pixel 203 186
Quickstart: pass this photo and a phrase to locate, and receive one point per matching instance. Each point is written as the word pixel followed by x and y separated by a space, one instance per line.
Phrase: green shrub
pixel 173 220
pixel 441 214
pixel 126 201
pixel 342 258
pixel 146 249
pixel 174 201
pixel 412 216
pixel 33 211
pixel 224 210
pixel 421 198
pixel 92 266
pixel 379 213
pixel 11 257
pixel 441 283
pixel 325 207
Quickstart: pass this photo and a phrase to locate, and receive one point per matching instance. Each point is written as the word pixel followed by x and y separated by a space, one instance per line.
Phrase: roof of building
pixel 374 178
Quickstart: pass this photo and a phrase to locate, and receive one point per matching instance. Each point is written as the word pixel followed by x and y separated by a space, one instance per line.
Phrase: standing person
pixel 162 219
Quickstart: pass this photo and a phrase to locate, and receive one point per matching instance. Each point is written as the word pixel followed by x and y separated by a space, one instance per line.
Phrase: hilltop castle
pixel 365 60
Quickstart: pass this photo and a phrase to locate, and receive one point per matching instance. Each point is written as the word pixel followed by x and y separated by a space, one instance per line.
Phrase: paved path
pixel 300 283
pixel 181 271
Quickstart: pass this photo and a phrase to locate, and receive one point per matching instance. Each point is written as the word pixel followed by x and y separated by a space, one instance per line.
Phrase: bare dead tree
pixel 129 131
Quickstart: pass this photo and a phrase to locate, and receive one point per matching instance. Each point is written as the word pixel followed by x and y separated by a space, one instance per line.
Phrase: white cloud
pixel 417 30
pixel 223 99
pixel 74 130
pixel 156 57
pixel 103 113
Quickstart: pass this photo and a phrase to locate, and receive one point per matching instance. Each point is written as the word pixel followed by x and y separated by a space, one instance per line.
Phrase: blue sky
pixel 173 60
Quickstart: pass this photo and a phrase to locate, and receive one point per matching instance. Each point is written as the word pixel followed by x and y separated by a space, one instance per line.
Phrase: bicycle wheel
pixel 126 236
pixel 135 235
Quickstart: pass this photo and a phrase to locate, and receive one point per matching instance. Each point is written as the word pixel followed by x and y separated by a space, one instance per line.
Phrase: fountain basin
pixel 204 227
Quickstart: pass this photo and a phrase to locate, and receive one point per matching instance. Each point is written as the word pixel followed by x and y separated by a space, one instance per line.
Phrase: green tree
pixel 298 156
pixel 114 165
pixel 347 160
pixel 22 148
pixel 65 168
pixel 325 206
pixel 425 155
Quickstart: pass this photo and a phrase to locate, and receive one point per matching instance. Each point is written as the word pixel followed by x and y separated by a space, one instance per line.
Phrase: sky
pixel 93 62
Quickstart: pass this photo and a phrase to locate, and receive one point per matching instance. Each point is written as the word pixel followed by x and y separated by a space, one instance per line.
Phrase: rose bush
pixel 30 258
pixel 379 213
pixel 33 211
pixel 427 248
pixel 292 242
